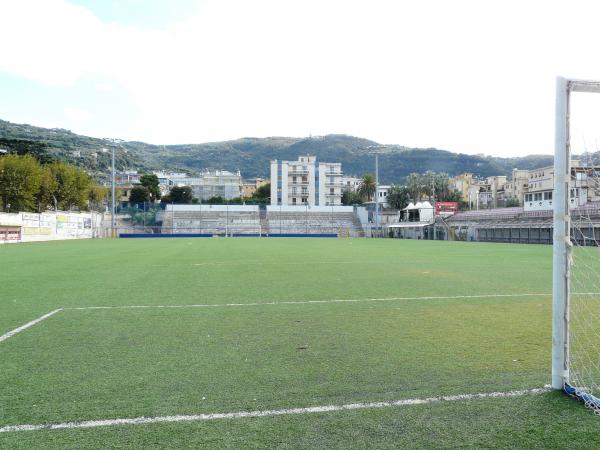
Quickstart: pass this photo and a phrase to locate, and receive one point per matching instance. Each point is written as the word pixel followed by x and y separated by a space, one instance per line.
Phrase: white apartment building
pixel 351 184
pixel 306 181
pixel 218 183
pixel 584 187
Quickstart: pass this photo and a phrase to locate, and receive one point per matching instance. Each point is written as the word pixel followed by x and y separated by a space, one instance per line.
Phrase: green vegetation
pixel 398 197
pixel 252 155
pixel 179 194
pixel 367 187
pixel 151 183
pixel 110 363
pixel 26 185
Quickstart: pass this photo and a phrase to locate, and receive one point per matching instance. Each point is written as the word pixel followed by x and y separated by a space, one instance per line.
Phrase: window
pixel 547 195
pixel 294 179
pixel 537 196
pixel 331 191
pixel 294 200
pixel 528 197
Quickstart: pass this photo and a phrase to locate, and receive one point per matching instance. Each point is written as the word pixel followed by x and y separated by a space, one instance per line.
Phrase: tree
pixel 511 202
pixel 150 181
pixel 367 187
pixel 45 194
pixel 139 194
pixel 263 192
pixel 398 197
pixel 20 179
pixel 216 200
pixel 414 185
pixel 181 194
pixel 97 196
pixel 352 198
pixel 73 186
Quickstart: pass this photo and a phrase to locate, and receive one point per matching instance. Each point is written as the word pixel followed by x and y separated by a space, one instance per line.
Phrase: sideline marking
pixel 28 324
pixel 269 413
pixel 308 302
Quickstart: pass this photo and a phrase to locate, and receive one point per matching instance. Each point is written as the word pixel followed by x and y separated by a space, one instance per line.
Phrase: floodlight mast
pixel 370 147
pixel 561 246
pixel 113 210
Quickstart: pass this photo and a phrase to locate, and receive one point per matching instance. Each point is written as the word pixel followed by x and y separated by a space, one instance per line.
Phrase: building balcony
pixel 298 172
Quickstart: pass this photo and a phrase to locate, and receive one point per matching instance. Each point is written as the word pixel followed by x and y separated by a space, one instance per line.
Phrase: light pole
pixel 114 209
pixel 113 220
pixel 376 184
pixel 377 193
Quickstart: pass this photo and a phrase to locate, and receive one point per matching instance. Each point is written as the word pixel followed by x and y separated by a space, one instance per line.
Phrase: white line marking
pixel 309 302
pixel 269 413
pixel 27 325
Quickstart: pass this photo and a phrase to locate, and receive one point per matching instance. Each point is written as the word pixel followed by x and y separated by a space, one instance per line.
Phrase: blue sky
pixel 466 75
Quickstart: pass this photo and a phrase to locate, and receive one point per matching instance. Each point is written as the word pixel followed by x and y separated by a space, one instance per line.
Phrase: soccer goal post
pixel 576 256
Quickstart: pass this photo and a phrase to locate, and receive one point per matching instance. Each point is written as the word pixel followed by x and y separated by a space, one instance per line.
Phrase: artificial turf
pixel 264 354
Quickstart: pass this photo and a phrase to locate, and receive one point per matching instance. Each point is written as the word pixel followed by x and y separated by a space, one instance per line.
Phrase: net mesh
pixel 584 277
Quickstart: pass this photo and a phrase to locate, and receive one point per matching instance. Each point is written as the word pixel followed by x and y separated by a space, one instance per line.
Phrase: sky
pixel 466 76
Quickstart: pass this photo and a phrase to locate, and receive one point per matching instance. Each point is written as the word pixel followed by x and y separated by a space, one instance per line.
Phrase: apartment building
pixel 518 184
pixel 585 186
pixel 306 181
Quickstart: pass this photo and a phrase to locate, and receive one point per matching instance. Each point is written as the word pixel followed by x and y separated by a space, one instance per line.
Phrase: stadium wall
pixel 49 226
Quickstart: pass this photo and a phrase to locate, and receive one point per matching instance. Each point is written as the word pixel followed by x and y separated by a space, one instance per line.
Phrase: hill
pixel 252 155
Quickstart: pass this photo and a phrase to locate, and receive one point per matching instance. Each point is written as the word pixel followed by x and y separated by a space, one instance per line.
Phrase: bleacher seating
pixel 211 222
pixel 251 222
pixel 344 223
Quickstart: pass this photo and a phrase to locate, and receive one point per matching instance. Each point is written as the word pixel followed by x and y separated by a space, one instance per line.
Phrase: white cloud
pixel 464 75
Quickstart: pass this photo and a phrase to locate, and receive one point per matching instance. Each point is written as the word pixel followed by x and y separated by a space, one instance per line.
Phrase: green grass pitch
pixel 430 319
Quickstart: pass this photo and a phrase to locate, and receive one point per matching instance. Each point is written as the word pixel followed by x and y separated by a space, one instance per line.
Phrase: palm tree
pixel 414 184
pixel 367 187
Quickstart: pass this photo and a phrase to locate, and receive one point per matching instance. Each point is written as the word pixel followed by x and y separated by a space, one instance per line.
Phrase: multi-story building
pixel 351 184
pixel 127 177
pixel 462 183
pixel 517 186
pixel 219 183
pixel 248 189
pixel 382 194
pixel 306 182
pixel 584 187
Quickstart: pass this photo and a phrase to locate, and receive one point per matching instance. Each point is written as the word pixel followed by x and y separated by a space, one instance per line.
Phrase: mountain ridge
pixel 252 155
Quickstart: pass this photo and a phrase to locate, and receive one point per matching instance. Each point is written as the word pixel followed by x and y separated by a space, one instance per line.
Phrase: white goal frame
pixel 562 227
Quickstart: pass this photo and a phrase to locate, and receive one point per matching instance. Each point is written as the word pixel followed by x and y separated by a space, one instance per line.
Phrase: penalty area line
pixel 270 413
pixel 310 302
pixel 28 325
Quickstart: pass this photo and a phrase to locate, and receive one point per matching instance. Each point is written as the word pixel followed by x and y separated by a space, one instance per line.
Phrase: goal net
pixel 576 284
